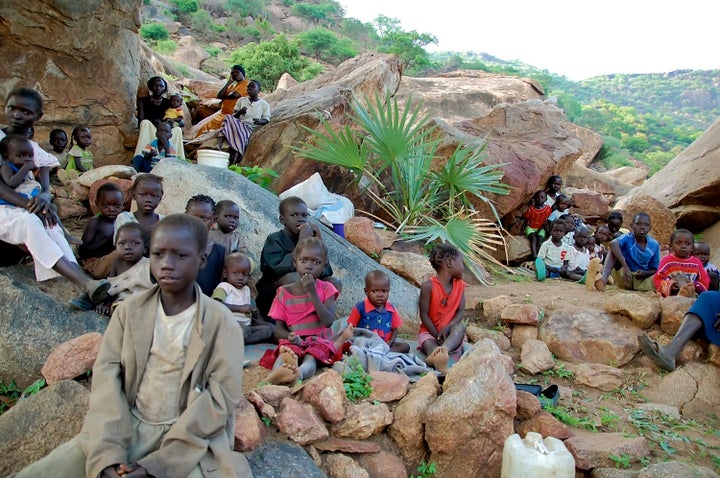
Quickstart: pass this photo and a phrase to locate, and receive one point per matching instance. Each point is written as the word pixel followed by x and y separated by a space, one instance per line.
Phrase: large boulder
pixel 691 388
pixel 59 48
pixel 581 177
pixel 258 218
pixel 661 217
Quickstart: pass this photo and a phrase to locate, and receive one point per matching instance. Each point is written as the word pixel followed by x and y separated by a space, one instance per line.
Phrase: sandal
pixel 540 269
pixel 653 350
pixel 81 302
pixel 98 291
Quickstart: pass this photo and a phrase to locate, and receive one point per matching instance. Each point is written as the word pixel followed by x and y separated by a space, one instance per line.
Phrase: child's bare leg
pixel 345 335
pixel 68 237
pixel 455 338
pixel 533 244
pixel 610 261
pixel 97 290
pixel 284 374
pixel 439 359
pixel 572 275
pixel 261 333
pixel 287 355
pixel 429 345
pixel 308 367
pixel 400 347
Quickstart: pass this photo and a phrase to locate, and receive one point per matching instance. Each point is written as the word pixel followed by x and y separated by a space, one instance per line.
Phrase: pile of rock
pixel 77 196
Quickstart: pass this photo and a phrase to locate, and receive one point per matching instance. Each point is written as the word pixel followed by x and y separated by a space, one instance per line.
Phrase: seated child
pixel 276 259
pixel 560 207
pixel 210 275
pixel 552 256
pixel 535 217
pixel 156 150
pixel 442 308
pixel 681 273
pixel 58 143
pixel 602 238
pixel 236 295
pixel 130 272
pixel 376 313
pixel 615 224
pixel 569 237
pixel 227 215
pixel 174 114
pixel 702 252
pixel 303 312
pixel 80 159
pixel 147 192
pixel 578 256
pixel 97 251
pixel 166 381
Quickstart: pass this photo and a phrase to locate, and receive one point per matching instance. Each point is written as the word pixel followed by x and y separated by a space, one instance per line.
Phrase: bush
pixel 185 6
pixel 154 31
pixel 165 47
pixel 325 45
pixel 213 51
pixel 243 8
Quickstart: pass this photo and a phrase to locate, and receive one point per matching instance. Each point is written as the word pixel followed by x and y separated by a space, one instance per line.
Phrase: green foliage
pixel 558 371
pixel 621 461
pixel 10 393
pixel 409 46
pixel 244 8
pixel 266 421
pixel 322 13
pixel 267 61
pixel 568 417
pixel 185 6
pixel 325 45
pixel 154 31
pixel 356 381
pixel 425 470
pixel 263 177
pixel 392 151
pixel 165 47
pixel 213 51
pixel 202 21
pixel 363 34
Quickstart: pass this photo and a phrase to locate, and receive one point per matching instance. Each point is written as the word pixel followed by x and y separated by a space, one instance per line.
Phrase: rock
pixel 273 394
pixel 634 175
pixel 676 469
pixel 476 334
pixel 270 460
pixel 258 217
pixel 600 376
pixel 78 40
pixel 407 428
pixel 516 251
pixel 526 405
pixel 124 184
pixel 342 466
pixel 249 430
pixel 347 446
pixel 383 465
pixel 661 217
pixel 587 335
pixel 67 208
pixel 525 314
pixel 690 352
pixel 587 202
pixel 264 409
pixel 326 393
pixel 188 52
pixel 79 192
pixel 38 424
pixel 642 309
pixel 72 358
pixel 592 450
pixel 659 407
pixel 363 420
pixel 691 388
pixel 493 307
pixel 714 355
pixel 33 323
pixel 286 82
pixel 361 232
pixel 88 178
pixel 523 333
pixel 546 425
pixel 580 177
pixel 300 422
pixel 672 312
pixel 465 428
pixel 413 267
pixel 402 245
pixel 612 473
pixel 536 357
pixel 388 386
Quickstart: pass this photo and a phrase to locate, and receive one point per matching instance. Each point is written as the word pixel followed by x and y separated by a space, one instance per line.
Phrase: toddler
pixel 560 207
pixel 210 275
pixel 681 273
pixel 156 150
pixel 303 312
pixel 80 159
pixel 97 251
pixel 237 296
pixel 147 192
pixel 602 238
pixel 569 237
pixel 227 216
pixel 174 114
pixel 376 313
pixel 535 217
pixel 552 257
pixel 58 143
pixel 442 308
pixel 702 252
pixel 578 256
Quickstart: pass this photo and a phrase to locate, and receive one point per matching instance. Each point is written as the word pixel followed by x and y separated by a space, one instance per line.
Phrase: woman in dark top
pixel 150 111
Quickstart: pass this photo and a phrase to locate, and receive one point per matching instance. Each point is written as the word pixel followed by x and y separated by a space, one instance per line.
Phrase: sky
pixel 575 38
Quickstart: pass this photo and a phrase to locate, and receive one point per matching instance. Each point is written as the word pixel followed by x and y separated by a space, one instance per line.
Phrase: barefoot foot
pixel 286 374
pixel 439 359
pixel 347 334
pixel 288 356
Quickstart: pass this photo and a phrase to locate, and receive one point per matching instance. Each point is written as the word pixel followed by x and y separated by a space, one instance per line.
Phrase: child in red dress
pixel 681 273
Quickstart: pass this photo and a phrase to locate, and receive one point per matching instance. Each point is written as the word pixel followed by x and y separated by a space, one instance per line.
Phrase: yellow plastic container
pixel 533 457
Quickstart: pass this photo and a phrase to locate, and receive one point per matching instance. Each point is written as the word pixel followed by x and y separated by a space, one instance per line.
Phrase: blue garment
pixel 707 307
pixel 34 192
pixel 636 258
pixel 379 322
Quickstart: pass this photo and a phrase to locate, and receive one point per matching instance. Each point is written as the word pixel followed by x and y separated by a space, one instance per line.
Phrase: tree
pixel 409 46
pixel 320 13
pixel 325 45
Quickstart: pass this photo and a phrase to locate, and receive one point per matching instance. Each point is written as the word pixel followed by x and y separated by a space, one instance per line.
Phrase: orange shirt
pixel 443 306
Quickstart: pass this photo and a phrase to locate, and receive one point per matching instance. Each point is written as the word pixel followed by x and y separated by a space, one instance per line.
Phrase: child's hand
pixel 152 153
pixel 294 339
pixel 242 111
pixel 306 230
pixel 307 281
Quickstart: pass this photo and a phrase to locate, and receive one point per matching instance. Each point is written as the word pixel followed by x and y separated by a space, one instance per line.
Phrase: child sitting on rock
pixel 227 216
pixel 578 256
pixel 560 207
pixel 174 114
pixel 210 275
pixel 80 158
pixel 304 312
pixel 681 273
pixel 376 313
pixel 97 251
pixel 702 252
pixel 156 150
pixel 147 192
pixel 235 293
pixel 534 219
pixel 442 308
pixel 552 256
pixel 58 142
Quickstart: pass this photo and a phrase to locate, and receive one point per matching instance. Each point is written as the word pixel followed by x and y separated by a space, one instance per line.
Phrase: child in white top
pixel 578 256
pixel 552 256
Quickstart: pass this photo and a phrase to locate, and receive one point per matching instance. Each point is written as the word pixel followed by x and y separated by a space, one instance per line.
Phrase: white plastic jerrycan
pixel 533 457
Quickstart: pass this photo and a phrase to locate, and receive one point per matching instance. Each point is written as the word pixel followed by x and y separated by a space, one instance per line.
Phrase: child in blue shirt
pixel 156 150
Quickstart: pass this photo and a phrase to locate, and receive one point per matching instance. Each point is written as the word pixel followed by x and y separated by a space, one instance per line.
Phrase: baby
pixel 174 114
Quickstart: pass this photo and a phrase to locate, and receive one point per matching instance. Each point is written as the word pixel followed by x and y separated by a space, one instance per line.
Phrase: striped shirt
pixel 298 311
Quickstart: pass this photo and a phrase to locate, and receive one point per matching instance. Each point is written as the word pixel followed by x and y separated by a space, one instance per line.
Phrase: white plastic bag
pixel 327 207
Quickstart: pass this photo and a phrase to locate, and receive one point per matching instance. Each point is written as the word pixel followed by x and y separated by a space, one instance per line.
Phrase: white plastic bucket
pixel 533 457
pixel 211 157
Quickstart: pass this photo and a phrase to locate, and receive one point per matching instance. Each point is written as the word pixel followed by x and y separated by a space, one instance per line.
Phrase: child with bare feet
pixel 97 251
pixel 376 313
pixel 442 308
pixel 306 308
pixel 235 293
pixel 681 273
pixel 578 256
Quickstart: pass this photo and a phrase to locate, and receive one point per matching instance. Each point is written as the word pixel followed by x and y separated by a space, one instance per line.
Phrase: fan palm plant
pixel 393 153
